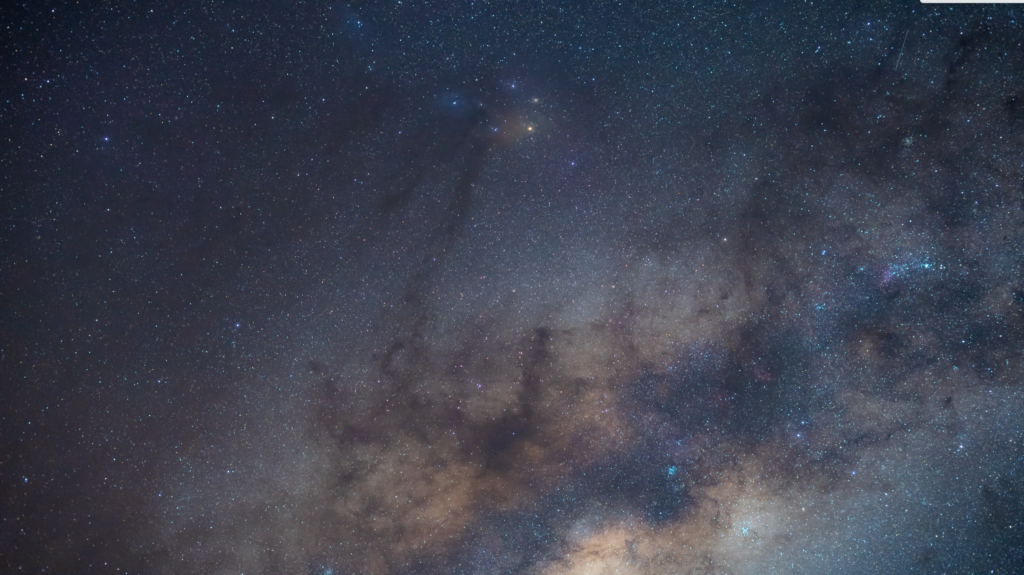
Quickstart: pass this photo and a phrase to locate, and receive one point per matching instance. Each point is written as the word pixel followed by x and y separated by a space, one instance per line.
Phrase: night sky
pixel 544 288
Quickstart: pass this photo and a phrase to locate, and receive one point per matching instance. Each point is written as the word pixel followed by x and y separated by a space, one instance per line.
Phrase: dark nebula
pixel 511 287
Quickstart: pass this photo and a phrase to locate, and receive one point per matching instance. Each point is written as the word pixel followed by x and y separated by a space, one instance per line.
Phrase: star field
pixel 546 288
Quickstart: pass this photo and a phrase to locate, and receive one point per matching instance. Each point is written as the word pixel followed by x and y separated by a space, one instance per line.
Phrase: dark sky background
pixel 546 288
